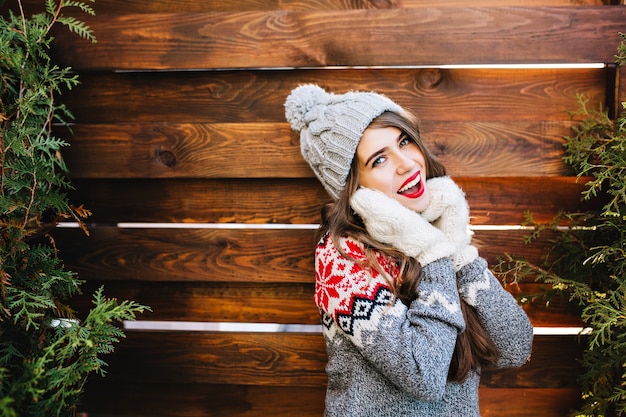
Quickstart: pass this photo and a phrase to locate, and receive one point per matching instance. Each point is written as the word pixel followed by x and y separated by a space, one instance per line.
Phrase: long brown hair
pixel 474 348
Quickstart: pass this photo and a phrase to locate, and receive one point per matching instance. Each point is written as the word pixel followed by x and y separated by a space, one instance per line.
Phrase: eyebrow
pixel 382 150
pixel 374 155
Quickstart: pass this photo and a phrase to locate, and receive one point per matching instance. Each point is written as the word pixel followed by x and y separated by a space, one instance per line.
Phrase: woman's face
pixel 389 161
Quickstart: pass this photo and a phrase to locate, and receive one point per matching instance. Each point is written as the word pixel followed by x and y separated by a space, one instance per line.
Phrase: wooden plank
pixel 556 314
pixel 232 285
pixel 494 149
pixel 504 201
pixel 523 402
pixel 252 150
pixel 227 255
pixel 242 200
pixel 207 400
pixel 263 303
pixel 493 200
pixel 295 359
pixel 272 150
pixel 188 6
pixel 554 364
pixel 200 400
pixel 470 95
pixel 372 37
pixel 271 359
pixel 243 302
pixel 190 254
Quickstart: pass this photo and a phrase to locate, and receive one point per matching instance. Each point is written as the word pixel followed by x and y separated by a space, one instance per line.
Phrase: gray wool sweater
pixel 387 359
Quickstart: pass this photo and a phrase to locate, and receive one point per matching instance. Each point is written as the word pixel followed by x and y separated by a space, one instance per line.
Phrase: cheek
pixel 378 180
pixel 419 158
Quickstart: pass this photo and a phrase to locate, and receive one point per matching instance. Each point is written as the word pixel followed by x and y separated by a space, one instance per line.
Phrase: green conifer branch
pixel 587 262
pixel 46 351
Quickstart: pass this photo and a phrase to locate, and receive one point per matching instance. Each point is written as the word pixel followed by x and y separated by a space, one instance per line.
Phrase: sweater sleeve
pixel 411 346
pixel 504 320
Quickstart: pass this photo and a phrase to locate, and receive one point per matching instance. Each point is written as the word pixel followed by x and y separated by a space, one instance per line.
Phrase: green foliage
pixel 587 261
pixel 46 353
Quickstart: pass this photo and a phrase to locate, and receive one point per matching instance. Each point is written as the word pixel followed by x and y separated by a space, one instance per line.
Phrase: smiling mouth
pixel 413 187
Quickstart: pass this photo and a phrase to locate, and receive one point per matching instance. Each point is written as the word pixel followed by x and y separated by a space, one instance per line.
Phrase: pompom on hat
pixel 330 127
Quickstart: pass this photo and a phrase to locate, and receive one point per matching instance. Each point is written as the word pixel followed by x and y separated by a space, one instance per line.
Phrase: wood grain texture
pixel 282 303
pixel 219 302
pixel 187 6
pixel 493 200
pixel 257 150
pixel 209 400
pixel 521 402
pixel 227 255
pixel 372 37
pixel 245 276
pixel 295 359
pixel 190 254
pixel 200 400
pixel 270 359
pixel 469 95
pixel 555 357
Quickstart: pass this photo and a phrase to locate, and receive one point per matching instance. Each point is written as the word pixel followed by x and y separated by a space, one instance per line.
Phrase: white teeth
pixel 411 184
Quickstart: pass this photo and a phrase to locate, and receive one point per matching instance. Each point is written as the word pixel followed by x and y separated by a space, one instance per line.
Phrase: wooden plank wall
pixel 204 209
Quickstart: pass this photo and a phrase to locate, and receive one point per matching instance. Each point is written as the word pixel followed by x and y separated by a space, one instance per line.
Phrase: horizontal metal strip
pixel 279 226
pixel 290 328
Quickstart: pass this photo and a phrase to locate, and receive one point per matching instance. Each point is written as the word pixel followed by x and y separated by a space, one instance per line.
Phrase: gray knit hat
pixel 330 127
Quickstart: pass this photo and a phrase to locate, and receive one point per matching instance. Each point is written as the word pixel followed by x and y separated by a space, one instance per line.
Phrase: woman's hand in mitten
pixel 449 212
pixel 389 222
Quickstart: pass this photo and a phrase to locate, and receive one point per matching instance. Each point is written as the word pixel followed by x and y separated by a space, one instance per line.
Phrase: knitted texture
pixel 512 333
pixel 388 221
pixel 388 359
pixel 449 212
pixel 330 127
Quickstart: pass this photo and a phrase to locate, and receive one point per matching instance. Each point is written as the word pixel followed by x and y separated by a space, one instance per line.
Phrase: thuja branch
pixel 43 366
pixel 588 260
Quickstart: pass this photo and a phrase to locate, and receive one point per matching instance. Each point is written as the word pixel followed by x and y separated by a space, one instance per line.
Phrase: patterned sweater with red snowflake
pixel 389 359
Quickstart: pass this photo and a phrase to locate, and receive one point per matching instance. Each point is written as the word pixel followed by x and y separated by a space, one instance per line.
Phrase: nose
pixel 404 163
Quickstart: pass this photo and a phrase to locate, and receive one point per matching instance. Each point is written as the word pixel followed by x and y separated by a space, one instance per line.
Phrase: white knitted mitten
pixel 449 212
pixel 390 222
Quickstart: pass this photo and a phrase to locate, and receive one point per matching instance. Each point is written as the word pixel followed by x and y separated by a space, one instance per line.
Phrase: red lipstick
pixel 414 191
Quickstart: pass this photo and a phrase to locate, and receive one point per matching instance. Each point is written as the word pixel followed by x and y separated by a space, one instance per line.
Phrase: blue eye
pixel 404 140
pixel 378 161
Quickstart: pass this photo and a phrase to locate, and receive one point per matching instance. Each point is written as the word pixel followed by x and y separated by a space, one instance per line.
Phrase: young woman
pixel 410 312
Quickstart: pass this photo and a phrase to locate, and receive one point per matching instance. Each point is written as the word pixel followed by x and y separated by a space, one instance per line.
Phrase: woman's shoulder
pixel 333 248
pixel 350 250
pixel 344 277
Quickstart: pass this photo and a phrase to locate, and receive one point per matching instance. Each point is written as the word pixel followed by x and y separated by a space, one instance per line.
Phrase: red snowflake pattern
pixel 339 280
